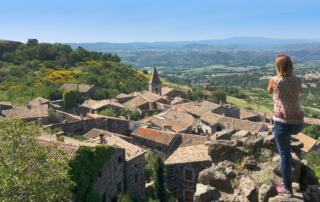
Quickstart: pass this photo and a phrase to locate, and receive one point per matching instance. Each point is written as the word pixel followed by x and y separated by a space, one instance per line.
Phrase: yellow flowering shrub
pixel 92 62
pixel 2 87
pixel 12 87
pixel 58 76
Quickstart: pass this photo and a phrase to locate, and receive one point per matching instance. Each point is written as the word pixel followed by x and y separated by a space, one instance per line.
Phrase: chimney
pixel 221 103
pixel 129 116
pixel 197 102
pixel 81 116
pixel 0 108
pixel 141 92
pixel 265 116
pixel 40 102
pixel 229 104
pixel 74 111
pixel 132 93
pixel 101 138
pixel 87 116
pixel 27 104
pixel 202 98
pixel 58 135
pixel 208 137
pixel 90 111
pixel 223 114
pixel 77 91
pixel 110 101
pixel 167 128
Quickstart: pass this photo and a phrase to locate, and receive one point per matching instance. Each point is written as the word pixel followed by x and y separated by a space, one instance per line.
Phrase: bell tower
pixel 155 83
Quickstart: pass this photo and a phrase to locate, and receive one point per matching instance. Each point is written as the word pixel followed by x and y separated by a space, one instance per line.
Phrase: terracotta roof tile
pixel 165 90
pixel 135 102
pixel 179 120
pixel 202 108
pixel 237 124
pixel 192 140
pixel 185 106
pixel 244 114
pixel 150 97
pixel 206 92
pixel 82 88
pixel 198 153
pixel 24 112
pixel 162 137
pixel 95 132
pixel 184 90
pixel 36 101
pixel 93 104
pixel 308 142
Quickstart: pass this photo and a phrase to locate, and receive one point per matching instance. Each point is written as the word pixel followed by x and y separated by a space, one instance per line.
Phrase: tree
pixel 28 171
pixel 248 100
pixel 108 112
pixel 158 178
pixel 69 99
pixel 312 131
pixel 100 94
pixel 146 115
pixel 219 94
pixel 145 71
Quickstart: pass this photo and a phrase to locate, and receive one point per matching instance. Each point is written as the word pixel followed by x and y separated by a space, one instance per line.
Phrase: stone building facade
pixel 135 176
pixel 110 180
pixel 155 83
pixel 183 168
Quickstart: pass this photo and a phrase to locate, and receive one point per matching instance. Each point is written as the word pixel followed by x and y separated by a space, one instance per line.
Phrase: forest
pixel 39 70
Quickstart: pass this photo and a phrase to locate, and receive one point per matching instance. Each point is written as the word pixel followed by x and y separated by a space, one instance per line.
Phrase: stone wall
pixel 135 170
pixel 124 99
pixel 44 120
pixel 175 178
pixel 78 110
pixel 162 106
pixel 62 116
pixel 111 174
pixel 151 144
pixel 118 126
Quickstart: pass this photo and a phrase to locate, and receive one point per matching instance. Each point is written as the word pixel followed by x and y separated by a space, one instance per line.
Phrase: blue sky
pixel 125 21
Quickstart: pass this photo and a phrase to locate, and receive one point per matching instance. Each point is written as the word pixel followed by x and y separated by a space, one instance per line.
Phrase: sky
pixel 123 21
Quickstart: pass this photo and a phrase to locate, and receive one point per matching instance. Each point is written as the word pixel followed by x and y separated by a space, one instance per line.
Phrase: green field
pixel 240 103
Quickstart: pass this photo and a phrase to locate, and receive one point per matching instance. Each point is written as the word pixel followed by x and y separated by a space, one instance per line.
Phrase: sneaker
pixel 284 192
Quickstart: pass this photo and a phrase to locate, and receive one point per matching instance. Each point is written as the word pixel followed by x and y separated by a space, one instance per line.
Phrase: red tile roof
pixel 162 137
pixel 179 120
pixel 202 108
pixel 206 92
pixel 135 102
pixel 192 140
pixel 308 142
pixel 237 124
pixel 95 132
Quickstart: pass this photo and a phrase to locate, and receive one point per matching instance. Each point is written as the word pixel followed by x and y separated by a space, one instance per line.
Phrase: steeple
pixel 155 83
pixel 155 77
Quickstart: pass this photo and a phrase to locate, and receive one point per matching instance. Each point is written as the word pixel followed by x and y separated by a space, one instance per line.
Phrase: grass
pixel 263 107
pixel 262 176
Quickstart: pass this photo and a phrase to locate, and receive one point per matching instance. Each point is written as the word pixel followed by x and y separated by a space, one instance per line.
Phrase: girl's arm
pixel 271 86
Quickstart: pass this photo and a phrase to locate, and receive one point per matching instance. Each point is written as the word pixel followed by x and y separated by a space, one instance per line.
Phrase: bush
pixel 312 131
pixel 146 115
pixel 108 112
pixel 52 115
pixel 219 94
pixel 70 99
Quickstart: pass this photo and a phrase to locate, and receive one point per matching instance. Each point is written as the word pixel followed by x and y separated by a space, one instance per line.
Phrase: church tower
pixel 155 83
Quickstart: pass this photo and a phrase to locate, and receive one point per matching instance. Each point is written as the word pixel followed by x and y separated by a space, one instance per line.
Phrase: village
pixel 199 140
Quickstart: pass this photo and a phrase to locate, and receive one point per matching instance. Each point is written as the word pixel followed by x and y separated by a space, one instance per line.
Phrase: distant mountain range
pixel 241 43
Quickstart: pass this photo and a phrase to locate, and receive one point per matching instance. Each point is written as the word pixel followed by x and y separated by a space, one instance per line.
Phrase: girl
pixel 287 117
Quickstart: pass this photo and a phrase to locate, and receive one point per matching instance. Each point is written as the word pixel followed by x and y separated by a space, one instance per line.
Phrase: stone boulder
pixel 219 148
pixel 267 190
pixel 314 197
pixel 296 187
pixel 263 134
pixel 226 164
pixel 308 177
pixel 266 152
pixel 253 143
pixel 249 163
pixel 205 193
pixel 214 178
pixel 269 142
pixel 294 138
pixel 225 134
pixel 296 146
pixel 240 134
pixel 283 199
pixel 247 188
pixel 230 173
pixel 294 164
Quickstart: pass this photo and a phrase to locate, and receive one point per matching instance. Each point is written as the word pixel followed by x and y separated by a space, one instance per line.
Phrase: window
pixel 120 158
pixel 104 197
pixel 100 174
pixel 136 165
pixel 160 148
pixel 136 178
pixel 119 187
pixel 188 196
pixel 219 128
pixel 188 174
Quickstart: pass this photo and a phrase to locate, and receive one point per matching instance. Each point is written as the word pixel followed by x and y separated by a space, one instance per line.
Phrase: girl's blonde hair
pixel 284 65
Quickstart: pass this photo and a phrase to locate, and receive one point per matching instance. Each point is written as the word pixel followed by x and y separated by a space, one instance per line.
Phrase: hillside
pixel 39 70
pixel 7 46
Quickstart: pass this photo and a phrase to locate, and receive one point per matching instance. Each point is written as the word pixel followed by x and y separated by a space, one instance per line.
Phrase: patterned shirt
pixel 286 100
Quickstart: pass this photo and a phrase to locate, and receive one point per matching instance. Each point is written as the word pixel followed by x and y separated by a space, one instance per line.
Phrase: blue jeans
pixel 282 133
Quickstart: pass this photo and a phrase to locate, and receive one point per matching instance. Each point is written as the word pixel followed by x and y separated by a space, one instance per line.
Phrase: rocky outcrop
pixel 219 148
pixel 254 143
pixel 267 190
pixel 225 134
pixel 205 193
pixel 8 46
pixel 212 177
pixel 296 146
pixel 248 189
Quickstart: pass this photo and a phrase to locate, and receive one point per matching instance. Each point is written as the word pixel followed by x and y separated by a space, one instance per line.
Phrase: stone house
pixel 309 144
pixel 28 112
pixel 158 140
pixel 249 115
pixel 122 98
pixel 177 121
pixel 155 84
pixel 83 90
pixel 209 123
pixel 206 93
pixel 183 168
pixel 100 105
pixel 172 92
pixel 137 103
pixel 110 180
pixel 134 163
pixel 95 132
pixel 39 101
